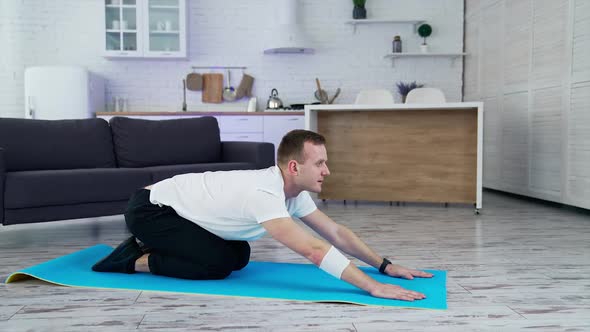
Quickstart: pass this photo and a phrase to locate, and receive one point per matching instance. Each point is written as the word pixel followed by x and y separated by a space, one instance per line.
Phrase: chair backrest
pixel 425 95
pixel 374 97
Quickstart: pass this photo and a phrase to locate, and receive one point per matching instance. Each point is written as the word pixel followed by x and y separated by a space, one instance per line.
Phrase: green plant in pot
pixel 424 30
pixel 359 12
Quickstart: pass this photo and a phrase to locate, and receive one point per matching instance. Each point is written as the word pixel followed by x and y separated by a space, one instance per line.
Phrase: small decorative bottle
pixel 397 44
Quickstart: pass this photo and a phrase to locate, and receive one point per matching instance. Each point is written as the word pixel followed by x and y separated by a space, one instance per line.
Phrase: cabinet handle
pixel 166 53
pixel 293 119
pixel 243 119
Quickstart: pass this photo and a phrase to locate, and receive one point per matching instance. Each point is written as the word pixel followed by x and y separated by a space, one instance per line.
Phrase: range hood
pixel 286 35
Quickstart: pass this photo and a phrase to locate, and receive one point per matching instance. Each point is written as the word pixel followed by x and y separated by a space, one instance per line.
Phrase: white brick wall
pixel 231 32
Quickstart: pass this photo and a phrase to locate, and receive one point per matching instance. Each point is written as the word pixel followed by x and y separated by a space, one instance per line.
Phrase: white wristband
pixel 334 262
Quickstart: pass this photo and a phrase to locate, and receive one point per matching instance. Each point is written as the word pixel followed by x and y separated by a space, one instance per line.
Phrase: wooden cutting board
pixel 212 88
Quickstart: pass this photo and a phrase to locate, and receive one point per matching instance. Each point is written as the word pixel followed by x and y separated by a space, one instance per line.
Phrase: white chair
pixel 425 96
pixel 374 97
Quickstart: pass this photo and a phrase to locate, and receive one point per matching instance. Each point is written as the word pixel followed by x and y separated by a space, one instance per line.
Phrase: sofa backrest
pixel 141 143
pixel 56 144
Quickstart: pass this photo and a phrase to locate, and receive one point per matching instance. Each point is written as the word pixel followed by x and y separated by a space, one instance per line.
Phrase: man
pixel 196 226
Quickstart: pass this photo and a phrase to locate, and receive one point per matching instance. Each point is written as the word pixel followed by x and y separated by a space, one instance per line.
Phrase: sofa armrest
pixel 261 154
pixel 2 180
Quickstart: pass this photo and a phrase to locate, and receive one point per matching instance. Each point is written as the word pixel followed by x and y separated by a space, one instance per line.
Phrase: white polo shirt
pixel 231 204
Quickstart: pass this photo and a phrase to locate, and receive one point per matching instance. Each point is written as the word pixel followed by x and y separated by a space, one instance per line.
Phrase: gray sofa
pixel 66 169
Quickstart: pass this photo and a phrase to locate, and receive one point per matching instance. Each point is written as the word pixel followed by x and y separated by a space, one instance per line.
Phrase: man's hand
pixel 388 291
pixel 399 271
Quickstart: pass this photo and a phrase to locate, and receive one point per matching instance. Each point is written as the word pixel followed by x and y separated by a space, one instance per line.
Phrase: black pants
pixel 178 247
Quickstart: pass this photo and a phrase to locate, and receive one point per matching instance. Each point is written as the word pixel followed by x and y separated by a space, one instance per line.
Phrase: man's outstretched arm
pixel 345 239
pixel 293 236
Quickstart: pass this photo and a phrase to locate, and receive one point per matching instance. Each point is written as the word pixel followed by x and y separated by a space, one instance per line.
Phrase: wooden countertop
pixel 395 107
pixel 199 113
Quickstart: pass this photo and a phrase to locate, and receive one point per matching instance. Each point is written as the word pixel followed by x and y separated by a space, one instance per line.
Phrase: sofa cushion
pixel 56 144
pixel 62 212
pixel 160 173
pixel 141 143
pixel 64 187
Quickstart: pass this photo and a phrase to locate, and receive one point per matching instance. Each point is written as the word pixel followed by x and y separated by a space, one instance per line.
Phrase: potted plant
pixel 424 30
pixel 404 88
pixel 359 12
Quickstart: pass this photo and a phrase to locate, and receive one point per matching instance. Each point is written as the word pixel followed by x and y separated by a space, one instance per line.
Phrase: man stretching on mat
pixel 196 226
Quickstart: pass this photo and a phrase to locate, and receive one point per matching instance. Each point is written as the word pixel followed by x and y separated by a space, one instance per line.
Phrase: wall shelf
pixel 354 23
pixel 394 56
pixel 219 67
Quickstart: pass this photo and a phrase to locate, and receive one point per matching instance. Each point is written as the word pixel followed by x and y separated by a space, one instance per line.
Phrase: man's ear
pixel 292 167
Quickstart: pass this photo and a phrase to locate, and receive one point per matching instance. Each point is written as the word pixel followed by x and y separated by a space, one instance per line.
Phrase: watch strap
pixel 384 265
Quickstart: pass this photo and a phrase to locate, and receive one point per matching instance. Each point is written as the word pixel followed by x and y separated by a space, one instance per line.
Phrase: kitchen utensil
pixel 184 95
pixel 331 101
pixel 245 87
pixel 212 88
pixel 194 82
pixel 229 93
pixel 320 94
pixel 274 102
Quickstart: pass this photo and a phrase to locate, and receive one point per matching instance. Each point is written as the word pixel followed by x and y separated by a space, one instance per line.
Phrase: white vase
pixel 424 48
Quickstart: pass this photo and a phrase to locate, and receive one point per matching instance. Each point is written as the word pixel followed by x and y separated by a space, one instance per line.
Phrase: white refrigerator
pixel 62 92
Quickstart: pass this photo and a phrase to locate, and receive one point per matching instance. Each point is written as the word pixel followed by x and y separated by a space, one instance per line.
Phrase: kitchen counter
pixel 402 152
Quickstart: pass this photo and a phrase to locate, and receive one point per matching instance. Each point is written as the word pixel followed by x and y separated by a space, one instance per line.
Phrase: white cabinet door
pixel 122 36
pixel 241 137
pixel 144 28
pixel 276 126
pixel 240 124
pixel 240 128
pixel 165 26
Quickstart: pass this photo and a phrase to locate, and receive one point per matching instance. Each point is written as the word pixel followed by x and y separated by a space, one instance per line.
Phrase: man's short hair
pixel 291 147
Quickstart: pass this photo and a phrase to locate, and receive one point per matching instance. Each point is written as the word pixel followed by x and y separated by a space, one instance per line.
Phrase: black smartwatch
pixel 384 265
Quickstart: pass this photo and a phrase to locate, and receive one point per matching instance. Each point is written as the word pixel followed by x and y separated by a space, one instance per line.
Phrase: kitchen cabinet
pixel 275 127
pixel 240 124
pixel 240 128
pixel 144 28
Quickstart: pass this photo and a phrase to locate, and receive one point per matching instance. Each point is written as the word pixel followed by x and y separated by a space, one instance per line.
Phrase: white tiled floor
pixel 520 265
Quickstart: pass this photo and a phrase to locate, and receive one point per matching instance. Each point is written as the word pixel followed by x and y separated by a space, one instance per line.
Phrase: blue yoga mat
pixel 304 282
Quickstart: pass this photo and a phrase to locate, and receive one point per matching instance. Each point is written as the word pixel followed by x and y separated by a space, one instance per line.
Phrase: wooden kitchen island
pixel 402 152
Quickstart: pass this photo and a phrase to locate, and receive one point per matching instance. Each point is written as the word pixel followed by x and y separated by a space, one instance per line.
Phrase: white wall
pixel 231 32
pixel 530 63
